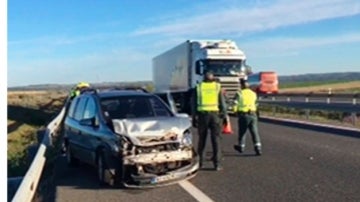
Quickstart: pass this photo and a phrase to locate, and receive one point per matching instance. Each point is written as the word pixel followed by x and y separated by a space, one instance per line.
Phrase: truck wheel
pixel 71 160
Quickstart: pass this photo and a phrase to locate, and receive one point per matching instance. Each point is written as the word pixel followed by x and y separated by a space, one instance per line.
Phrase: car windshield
pixel 122 107
pixel 224 67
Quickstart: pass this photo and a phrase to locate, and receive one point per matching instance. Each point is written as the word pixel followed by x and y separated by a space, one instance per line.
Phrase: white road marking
pixel 195 192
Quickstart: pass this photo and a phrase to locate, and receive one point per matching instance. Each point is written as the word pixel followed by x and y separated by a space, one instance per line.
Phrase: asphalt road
pixel 297 164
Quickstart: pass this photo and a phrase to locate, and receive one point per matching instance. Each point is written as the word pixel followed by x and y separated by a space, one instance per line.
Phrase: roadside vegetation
pixel 319 116
pixel 316 116
pixel 321 87
pixel 28 112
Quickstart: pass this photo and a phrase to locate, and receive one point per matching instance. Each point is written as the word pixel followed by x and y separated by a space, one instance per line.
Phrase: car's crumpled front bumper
pixel 147 180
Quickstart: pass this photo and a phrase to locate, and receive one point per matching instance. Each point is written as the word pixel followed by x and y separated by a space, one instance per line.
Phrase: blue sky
pixel 97 41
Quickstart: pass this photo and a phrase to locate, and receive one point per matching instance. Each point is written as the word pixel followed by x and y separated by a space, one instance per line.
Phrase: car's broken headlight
pixel 187 138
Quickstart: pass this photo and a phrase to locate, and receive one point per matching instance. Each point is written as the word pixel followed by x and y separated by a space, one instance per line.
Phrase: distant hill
pixel 69 86
pixel 321 77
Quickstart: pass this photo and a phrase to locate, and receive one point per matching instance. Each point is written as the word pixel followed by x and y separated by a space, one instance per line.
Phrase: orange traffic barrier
pixel 227 127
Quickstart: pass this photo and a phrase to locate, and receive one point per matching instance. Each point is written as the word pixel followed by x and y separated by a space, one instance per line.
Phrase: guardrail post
pixel 307 113
pixel 354 101
pixel 274 107
pixel 307 98
pixel 288 99
pixel 329 95
pixel 273 110
pixel 353 118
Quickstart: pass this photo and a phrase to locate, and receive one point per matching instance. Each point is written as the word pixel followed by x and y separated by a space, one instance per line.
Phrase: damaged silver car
pixel 132 137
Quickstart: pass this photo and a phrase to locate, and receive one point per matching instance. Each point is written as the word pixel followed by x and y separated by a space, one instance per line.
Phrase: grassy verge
pixel 28 112
pixel 335 87
pixel 317 116
pixel 18 141
pixel 309 83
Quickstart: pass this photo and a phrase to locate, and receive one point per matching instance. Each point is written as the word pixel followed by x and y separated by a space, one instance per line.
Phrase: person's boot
pixel 218 167
pixel 258 151
pixel 200 163
pixel 239 148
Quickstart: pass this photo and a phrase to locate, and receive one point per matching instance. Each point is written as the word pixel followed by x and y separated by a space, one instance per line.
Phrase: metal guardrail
pixel 313 97
pixel 316 105
pixel 28 186
pixel 329 102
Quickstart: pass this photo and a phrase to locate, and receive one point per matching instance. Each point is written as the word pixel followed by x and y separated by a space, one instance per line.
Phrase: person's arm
pixel 222 104
pixel 194 107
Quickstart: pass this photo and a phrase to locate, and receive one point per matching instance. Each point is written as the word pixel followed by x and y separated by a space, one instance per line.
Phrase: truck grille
pixel 231 89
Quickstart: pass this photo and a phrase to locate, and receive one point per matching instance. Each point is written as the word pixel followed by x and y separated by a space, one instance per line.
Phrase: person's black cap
pixel 243 81
pixel 209 72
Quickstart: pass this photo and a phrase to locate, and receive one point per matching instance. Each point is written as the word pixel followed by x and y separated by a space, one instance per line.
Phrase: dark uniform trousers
pixel 212 121
pixel 248 121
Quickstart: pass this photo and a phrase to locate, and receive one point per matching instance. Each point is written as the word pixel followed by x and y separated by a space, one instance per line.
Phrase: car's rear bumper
pixel 152 180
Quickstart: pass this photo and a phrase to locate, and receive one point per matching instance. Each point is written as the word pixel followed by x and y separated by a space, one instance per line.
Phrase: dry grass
pixel 18 141
pixel 36 100
pixel 345 122
pixel 348 87
pixel 27 112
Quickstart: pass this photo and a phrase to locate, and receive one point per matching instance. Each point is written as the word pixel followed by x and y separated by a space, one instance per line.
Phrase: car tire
pixel 71 160
pixel 100 167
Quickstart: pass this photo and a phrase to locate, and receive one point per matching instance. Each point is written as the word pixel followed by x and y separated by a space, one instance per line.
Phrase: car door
pixel 76 129
pixel 90 130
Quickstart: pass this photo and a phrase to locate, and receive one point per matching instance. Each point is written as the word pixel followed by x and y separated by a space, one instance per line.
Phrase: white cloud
pixel 237 19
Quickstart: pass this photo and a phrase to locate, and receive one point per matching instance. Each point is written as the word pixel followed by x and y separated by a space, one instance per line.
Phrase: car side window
pixel 72 108
pixel 158 107
pixel 90 109
pixel 79 111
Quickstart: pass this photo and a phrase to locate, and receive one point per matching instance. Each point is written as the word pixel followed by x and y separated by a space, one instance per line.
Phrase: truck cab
pixel 225 60
pixel 180 69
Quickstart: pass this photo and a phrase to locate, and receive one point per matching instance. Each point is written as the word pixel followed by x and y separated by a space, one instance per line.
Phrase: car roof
pixel 115 93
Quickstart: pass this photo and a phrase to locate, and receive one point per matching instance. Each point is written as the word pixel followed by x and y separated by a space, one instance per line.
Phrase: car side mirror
pixel 90 122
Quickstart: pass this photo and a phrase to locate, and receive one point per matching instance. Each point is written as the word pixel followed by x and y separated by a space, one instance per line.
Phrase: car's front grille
pixel 158 148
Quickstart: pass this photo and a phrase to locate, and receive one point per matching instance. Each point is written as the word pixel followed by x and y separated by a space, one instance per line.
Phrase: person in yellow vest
pixel 209 111
pixel 75 91
pixel 246 108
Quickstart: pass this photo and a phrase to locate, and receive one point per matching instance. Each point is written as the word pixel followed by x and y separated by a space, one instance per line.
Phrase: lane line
pixel 194 191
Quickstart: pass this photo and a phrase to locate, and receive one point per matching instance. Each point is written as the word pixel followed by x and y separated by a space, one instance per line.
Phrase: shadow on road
pixel 81 177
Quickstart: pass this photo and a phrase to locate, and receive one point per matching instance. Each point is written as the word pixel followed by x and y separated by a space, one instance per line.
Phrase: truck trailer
pixel 181 68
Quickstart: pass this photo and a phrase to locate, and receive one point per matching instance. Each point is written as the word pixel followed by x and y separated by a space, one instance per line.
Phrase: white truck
pixel 179 69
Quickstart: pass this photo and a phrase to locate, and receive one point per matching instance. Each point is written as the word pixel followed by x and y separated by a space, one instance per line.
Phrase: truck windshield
pixel 224 67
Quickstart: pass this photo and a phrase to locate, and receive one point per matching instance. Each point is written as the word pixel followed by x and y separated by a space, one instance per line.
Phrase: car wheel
pixel 71 160
pixel 101 169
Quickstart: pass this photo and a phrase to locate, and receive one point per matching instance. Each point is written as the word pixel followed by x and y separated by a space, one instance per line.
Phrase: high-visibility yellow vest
pixel 246 101
pixel 208 96
pixel 74 93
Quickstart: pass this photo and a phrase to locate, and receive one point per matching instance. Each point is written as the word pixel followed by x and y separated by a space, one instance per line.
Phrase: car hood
pixel 154 130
